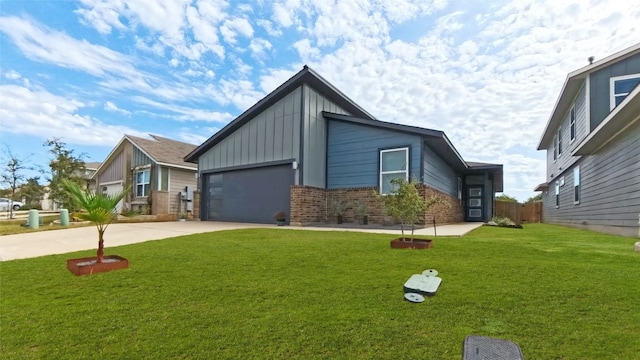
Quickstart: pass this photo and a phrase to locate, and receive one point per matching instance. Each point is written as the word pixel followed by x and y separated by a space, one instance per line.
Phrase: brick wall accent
pixel 447 211
pixel 159 202
pixel 308 205
pixel 196 205
pixel 314 205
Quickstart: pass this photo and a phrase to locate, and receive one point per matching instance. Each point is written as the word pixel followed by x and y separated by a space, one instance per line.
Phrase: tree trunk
pixel 100 253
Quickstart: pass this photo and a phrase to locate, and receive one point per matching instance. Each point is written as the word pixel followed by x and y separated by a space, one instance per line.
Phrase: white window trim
pixel 405 171
pixel 572 124
pixel 556 199
pixel 612 81
pixel 148 184
pixel 555 148
pixel 560 140
pixel 576 184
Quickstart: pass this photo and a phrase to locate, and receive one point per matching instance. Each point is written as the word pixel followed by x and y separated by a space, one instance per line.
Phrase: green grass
pixel 270 294
pixel 14 226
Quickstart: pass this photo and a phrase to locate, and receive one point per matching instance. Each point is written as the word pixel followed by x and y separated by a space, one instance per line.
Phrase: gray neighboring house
pixel 155 170
pixel 306 145
pixel 593 148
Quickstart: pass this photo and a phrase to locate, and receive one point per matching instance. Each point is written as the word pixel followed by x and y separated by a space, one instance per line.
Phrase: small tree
pixel 406 204
pixel 65 166
pixel 13 174
pixel 534 198
pixel 101 209
pixel 505 197
pixel 32 191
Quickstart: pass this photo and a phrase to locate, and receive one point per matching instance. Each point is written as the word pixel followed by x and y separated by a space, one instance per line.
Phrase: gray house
pixel 306 146
pixel 593 148
pixel 154 169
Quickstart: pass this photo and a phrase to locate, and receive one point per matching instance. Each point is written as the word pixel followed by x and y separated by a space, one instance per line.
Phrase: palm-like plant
pixel 101 209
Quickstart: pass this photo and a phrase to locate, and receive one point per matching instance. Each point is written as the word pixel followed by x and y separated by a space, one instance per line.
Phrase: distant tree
pixel 32 191
pixel 13 173
pixel 505 197
pixel 534 198
pixel 63 166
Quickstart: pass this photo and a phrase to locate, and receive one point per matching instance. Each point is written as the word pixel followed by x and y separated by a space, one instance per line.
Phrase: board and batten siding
pixel 114 171
pixel 437 174
pixel 178 180
pixel 314 153
pixel 271 135
pixel 609 189
pixel 565 160
pixel 599 96
pixel 353 153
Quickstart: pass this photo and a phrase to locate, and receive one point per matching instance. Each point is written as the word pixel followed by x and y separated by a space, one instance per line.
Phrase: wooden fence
pixel 520 213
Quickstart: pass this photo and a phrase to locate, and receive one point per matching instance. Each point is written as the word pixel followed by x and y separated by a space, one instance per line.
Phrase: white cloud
pixel 41 114
pixel 43 44
pixel 110 106
pixel 234 27
pixel 183 113
pixel 12 75
pixel 259 47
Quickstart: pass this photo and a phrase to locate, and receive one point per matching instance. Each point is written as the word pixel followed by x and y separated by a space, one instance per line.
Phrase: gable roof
pixel 162 151
pixel 436 140
pixel 92 165
pixel 622 117
pixel 572 85
pixel 304 76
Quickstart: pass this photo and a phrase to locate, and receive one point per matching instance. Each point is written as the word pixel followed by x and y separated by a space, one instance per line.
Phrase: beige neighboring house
pixel 90 168
pixel 161 182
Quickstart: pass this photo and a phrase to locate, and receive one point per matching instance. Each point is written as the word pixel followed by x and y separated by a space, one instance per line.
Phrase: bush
pixel 502 221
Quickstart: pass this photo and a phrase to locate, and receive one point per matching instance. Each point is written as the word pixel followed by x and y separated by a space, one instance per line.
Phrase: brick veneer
pixel 159 202
pixel 313 205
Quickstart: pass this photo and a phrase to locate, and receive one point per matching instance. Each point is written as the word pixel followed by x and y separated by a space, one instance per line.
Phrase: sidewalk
pixel 34 244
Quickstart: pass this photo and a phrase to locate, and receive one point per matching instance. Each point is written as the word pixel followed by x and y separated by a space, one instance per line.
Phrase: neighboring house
pixel 90 168
pixel 155 170
pixel 593 148
pixel 306 145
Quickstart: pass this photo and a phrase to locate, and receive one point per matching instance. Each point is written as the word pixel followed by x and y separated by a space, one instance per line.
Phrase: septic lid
pixel 430 272
pixel 413 297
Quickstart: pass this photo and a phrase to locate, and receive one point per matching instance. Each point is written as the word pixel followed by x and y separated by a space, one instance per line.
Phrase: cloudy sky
pixel 485 72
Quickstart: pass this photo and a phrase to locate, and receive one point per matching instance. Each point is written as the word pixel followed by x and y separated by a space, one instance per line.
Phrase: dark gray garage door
pixel 248 195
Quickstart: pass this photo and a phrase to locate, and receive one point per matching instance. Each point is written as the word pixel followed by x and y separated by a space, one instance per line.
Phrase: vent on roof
pixel 591 58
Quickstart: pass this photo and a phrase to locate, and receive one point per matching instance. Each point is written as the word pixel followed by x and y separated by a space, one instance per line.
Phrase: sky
pixel 487 73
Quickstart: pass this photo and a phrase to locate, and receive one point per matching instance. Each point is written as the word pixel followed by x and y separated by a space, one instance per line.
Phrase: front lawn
pixel 270 294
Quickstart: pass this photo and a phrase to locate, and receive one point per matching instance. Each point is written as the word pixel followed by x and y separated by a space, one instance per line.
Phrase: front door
pixel 475 210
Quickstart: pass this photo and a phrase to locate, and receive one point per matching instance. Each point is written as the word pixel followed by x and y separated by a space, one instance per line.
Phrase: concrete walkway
pixel 28 245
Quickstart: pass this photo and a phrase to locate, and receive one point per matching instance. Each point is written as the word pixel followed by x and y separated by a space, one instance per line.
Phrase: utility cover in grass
pixel 426 283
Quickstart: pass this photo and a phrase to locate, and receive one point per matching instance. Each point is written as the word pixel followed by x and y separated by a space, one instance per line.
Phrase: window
pixel 142 183
pixel 559 141
pixel 557 194
pixel 621 86
pixel 164 179
pixel 573 123
pixel 394 164
pixel 555 146
pixel 576 185
pixel 460 189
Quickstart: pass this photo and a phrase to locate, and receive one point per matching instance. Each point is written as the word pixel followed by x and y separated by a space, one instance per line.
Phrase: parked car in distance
pixel 4 204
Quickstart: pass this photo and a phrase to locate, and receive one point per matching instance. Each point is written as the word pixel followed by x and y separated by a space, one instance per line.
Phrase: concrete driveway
pixel 28 245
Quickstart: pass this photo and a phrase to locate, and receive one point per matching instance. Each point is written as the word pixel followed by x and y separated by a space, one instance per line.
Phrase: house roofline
pixel 427 135
pixel 572 85
pixel 106 160
pixel 304 76
pixel 613 125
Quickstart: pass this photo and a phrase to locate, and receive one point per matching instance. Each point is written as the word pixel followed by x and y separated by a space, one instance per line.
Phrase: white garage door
pixel 113 189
